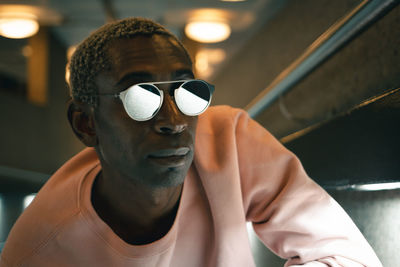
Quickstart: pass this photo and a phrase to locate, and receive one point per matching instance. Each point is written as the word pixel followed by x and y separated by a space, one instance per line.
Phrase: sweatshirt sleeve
pixel 291 214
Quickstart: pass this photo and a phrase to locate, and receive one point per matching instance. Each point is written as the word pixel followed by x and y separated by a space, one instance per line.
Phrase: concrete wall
pixel 38 138
pixel 365 67
pixel 33 138
pixel 274 47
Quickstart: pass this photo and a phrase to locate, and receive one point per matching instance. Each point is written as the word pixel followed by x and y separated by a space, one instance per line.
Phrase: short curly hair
pixel 91 56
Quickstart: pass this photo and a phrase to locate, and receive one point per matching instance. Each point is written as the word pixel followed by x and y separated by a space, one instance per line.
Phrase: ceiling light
pixel 21 21
pixel 235 20
pixel 208 31
pixel 18 25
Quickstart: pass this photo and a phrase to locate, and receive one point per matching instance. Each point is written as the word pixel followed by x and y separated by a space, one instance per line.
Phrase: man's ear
pixel 82 123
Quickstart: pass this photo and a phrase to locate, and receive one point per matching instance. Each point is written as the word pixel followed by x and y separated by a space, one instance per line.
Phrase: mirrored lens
pixel 142 101
pixel 193 97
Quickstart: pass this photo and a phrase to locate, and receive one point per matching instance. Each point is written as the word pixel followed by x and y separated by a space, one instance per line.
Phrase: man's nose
pixel 169 119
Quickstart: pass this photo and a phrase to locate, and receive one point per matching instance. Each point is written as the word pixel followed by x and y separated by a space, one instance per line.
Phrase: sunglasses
pixel 143 101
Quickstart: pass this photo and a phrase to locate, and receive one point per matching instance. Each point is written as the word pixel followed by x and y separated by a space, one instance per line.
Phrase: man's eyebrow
pixel 142 76
pixel 135 76
pixel 183 72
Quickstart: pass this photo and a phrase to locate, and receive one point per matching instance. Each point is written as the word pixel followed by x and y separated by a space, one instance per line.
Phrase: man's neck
pixel 136 213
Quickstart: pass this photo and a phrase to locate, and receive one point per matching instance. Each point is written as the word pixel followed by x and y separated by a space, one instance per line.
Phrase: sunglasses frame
pixel 121 95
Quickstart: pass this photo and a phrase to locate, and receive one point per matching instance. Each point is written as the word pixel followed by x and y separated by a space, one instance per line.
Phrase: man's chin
pixel 167 172
pixel 172 177
pixel 153 177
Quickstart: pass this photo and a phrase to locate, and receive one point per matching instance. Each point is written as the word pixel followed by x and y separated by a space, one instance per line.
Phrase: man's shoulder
pixel 55 203
pixel 62 190
pixel 222 111
pixel 218 118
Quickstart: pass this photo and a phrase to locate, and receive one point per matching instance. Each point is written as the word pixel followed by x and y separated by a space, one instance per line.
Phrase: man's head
pixel 156 152
pixel 92 56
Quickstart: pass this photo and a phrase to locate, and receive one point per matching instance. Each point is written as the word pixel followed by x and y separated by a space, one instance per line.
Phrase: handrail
pixel 324 46
pixel 23 175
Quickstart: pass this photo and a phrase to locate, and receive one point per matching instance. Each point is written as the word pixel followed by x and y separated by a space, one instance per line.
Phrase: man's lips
pixel 172 157
pixel 170 152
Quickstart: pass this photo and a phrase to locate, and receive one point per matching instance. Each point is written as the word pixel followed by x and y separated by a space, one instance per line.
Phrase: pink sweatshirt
pixel 240 173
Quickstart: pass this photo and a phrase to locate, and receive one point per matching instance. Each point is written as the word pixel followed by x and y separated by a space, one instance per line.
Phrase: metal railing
pixel 331 41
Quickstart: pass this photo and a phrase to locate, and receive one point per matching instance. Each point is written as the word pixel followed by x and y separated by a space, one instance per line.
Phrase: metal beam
pixel 109 9
pixel 320 50
pixel 18 181
pixel 29 176
pixel 357 150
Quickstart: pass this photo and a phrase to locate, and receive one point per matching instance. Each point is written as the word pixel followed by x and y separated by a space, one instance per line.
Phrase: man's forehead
pixel 145 57
pixel 146 45
pixel 148 53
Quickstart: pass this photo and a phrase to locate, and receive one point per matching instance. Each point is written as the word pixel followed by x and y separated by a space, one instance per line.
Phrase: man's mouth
pixel 171 157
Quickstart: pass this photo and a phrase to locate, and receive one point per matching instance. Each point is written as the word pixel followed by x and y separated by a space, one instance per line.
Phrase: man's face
pixel 157 152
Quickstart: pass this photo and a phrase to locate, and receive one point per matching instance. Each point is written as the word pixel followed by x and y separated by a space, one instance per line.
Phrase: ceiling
pixel 81 17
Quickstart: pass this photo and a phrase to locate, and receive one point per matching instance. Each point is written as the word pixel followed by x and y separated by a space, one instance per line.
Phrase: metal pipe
pixel 23 175
pixel 326 45
pixel 109 10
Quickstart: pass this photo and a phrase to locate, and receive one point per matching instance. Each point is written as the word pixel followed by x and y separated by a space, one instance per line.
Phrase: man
pixel 160 185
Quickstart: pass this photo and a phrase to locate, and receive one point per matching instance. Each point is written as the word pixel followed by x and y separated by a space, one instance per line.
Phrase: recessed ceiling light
pixel 21 21
pixel 208 31
pixel 18 25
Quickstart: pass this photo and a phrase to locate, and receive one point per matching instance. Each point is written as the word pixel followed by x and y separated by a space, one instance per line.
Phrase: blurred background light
pixel 19 21
pixel 27 200
pixel 207 59
pixel 377 186
pixel 18 25
pixel 208 31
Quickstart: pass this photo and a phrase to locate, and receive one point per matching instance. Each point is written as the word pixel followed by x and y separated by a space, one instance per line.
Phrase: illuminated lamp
pixel 208 31
pixel 18 25
pixel 22 21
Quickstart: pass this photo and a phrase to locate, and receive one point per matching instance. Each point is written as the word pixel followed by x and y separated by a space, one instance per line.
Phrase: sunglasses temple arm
pixel 212 87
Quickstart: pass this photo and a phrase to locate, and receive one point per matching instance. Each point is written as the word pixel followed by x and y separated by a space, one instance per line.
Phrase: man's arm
pixel 290 213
